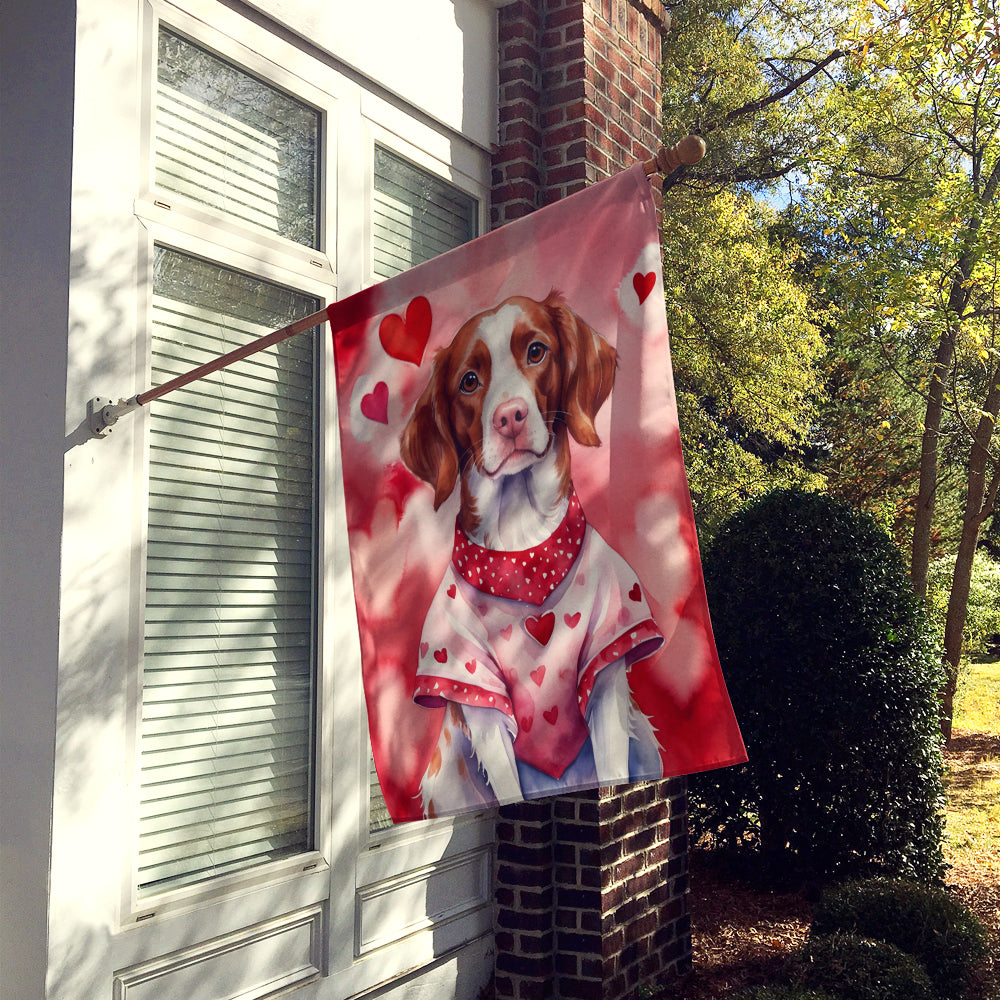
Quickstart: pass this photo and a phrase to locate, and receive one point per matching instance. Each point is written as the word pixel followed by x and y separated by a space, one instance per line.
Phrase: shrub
pixel 782 993
pixel 856 968
pixel 926 922
pixel 833 673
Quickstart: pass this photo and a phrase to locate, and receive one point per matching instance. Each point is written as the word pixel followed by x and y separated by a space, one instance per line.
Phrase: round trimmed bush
pixel 925 922
pixel 833 672
pixel 856 968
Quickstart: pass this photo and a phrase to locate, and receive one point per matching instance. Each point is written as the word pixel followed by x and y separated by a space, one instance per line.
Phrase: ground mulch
pixel 742 934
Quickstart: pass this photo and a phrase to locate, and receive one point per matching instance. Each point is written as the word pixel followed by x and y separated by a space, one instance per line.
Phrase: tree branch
pixel 754 106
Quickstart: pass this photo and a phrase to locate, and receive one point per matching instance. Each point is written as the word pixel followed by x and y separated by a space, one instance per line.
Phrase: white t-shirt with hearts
pixel 536 662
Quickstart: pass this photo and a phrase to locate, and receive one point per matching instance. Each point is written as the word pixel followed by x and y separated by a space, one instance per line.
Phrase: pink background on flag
pixel 600 249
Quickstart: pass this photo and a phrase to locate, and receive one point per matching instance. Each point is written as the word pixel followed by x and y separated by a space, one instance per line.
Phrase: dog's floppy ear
pixel 426 445
pixel 589 364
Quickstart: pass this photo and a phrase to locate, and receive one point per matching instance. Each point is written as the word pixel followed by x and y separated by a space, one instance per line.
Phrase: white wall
pixel 416 49
pixel 36 108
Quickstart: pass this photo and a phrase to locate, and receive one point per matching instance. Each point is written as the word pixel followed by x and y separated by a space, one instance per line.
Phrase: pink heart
pixel 375 405
pixel 565 673
pixel 452 591
pixel 441 655
pixel 482 609
pixel 526 723
pixel 405 339
pixel 551 714
pixel 538 675
pixel 572 620
pixel 471 666
pixel 423 648
pixel 643 284
pixel 507 632
pixel 540 629
pixel 624 616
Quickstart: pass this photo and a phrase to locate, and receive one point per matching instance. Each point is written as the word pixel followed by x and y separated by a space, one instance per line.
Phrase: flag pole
pixel 103 414
pixel 687 152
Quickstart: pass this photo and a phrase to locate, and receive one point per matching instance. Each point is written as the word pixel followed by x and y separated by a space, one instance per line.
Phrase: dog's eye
pixel 536 352
pixel 470 382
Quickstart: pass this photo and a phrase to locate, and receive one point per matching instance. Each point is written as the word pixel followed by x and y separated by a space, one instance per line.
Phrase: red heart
pixel 423 648
pixel 441 655
pixel 471 666
pixel 643 284
pixel 405 339
pixel 452 591
pixel 538 675
pixel 526 723
pixel 636 592
pixel 540 629
pixel 572 620
pixel 551 714
pixel 375 405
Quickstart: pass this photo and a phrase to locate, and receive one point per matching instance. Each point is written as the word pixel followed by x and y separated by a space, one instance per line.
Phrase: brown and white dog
pixel 495 419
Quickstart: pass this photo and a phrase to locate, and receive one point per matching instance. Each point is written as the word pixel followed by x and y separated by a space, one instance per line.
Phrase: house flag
pixel 526 573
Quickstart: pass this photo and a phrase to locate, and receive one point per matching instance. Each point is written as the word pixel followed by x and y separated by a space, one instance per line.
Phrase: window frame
pixel 177 223
pixel 348 868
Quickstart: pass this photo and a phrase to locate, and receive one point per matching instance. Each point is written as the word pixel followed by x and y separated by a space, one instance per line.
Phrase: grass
pixel 973 782
pixel 978 698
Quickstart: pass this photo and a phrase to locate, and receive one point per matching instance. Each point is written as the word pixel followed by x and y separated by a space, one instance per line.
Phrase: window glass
pixel 228 140
pixel 416 216
pixel 228 680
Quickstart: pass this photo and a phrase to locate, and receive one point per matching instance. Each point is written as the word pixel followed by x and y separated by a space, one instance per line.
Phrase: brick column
pixel 591 889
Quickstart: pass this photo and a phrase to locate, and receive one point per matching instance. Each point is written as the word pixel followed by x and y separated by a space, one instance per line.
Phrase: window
pixel 415 216
pixel 253 803
pixel 227 140
pixel 229 646
pixel 228 678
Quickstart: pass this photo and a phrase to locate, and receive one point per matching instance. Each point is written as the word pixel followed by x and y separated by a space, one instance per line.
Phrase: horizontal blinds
pixel 228 140
pixel 415 216
pixel 228 662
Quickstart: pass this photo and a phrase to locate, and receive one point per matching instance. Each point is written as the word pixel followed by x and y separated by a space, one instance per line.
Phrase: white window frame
pixel 350 874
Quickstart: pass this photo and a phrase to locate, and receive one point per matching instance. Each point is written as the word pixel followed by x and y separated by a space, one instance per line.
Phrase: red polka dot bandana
pixel 530 575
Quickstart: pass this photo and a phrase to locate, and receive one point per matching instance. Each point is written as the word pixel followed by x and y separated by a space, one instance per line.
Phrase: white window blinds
pixel 228 659
pixel 416 216
pixel 228 140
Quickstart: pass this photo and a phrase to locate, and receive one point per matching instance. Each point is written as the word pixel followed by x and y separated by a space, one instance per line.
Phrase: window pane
pixel 228 655
pixel 416 216
pixel 228 140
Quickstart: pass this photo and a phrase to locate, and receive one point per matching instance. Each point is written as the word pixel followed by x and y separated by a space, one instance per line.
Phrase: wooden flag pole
pixel 687 152
pixel 103 413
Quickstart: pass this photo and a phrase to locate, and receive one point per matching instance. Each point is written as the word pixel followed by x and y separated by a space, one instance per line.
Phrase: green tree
pixel 747 354
pixel 747 357
pixel 912 191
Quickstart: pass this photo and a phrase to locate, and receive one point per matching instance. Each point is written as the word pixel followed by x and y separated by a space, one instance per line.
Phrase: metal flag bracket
pixel 103 413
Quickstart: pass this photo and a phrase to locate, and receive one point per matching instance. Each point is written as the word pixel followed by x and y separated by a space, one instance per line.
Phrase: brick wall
pixel 591 889
pixel 579 96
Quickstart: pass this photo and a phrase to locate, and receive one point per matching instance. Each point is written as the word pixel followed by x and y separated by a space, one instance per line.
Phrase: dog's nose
pixel 509 417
